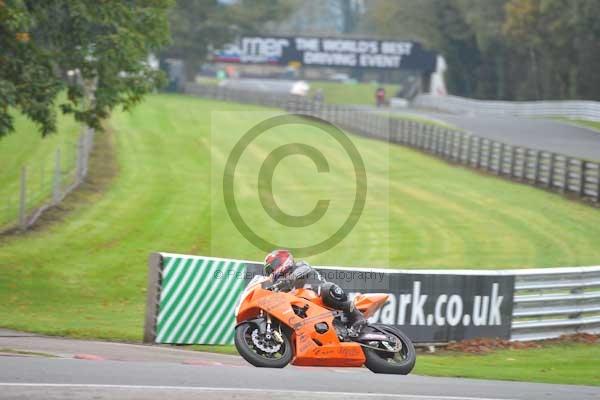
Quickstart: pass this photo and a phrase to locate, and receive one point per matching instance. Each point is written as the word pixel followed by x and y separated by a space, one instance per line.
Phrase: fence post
pixel 582 178
pixel 42 176
pixel 501 160
pixel 23 200
pixel 393 130
pixel 445 143
pixel 78 160
pixel 565 187
pixel 490 154
pixel 56 193
pixel 152 296
pixel 436 140
pixel 460 147
pixel 478 154
pixel 431 138
pixel 551 171
pixel 513 161
pixel 538 161
pixel 597 183
pixel 469 150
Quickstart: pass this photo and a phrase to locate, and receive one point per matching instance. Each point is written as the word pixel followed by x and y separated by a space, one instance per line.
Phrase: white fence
pixel 589 110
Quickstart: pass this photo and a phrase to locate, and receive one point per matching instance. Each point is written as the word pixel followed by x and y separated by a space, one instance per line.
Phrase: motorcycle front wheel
pixel 383 362
pixel 260 350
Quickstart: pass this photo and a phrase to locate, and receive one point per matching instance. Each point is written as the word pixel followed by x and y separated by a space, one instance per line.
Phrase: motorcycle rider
pixel 288 274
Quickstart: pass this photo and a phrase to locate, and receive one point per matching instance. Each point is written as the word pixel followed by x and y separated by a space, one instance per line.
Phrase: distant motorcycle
pixel 275 328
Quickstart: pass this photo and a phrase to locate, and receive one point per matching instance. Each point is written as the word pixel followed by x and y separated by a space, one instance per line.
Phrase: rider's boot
pixel 356 320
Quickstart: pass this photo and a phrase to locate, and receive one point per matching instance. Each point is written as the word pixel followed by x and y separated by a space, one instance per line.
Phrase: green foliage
pixel 558 44
pixel 196 25
pixel 504 49
pixel 200 25
pixel 43 44
pixel 27 79
pixel 441 24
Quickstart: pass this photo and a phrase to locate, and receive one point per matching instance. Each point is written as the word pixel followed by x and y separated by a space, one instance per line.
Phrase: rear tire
pixel 253 355
pixel 382 362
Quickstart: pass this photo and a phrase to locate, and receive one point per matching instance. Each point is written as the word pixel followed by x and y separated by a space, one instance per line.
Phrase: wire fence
pixel 45 182
pixel 558 172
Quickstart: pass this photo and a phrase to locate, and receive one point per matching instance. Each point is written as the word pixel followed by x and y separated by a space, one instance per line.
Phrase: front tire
pixel 249 350
pixel 400 363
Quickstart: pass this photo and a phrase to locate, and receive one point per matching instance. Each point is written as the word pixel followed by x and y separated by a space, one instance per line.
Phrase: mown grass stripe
pixel 210 315
pixel 173 295
pixel 208 290
pixel 183 301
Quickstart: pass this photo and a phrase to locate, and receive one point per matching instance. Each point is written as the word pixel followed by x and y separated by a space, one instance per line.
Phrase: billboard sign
pixel 329 52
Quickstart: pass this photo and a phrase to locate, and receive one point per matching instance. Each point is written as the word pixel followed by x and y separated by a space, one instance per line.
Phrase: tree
pixel 45 46
pixel 504 49
pixel 557 41
pixel 440 25
pixel 198 26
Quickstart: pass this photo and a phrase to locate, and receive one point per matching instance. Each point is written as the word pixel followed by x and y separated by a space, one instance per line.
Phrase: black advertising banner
pixel 329 52
pixel 436 308
pixel 432 307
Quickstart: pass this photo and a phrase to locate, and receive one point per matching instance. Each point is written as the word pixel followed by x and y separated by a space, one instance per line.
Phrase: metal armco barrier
pixel 191 300
pixel 568 108
pixel 551 171
pixel 553 302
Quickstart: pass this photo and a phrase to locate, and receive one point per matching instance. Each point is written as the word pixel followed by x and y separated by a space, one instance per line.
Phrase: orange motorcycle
pixel 275 328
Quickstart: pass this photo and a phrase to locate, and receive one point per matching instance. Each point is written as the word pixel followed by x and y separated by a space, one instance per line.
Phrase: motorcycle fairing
pixel 311 348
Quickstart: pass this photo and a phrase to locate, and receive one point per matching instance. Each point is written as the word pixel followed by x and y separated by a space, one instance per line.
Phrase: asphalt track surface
pixel 534 133
pixel 77 369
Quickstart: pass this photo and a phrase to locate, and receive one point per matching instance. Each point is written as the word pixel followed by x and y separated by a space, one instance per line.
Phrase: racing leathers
pixel 303 275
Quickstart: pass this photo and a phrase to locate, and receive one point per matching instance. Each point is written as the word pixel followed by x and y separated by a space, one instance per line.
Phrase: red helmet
pixel 278 263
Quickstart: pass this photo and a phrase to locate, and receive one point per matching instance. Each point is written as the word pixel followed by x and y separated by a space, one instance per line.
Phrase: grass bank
pixel 575 364
pixel 25 147
pixel 350 93
pixel 85 274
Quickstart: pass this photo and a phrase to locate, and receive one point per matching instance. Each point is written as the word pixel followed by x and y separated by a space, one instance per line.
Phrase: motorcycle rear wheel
pixel 383 362
pixel 257 357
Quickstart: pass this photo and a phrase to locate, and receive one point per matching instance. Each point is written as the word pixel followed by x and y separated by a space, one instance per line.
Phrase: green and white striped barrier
pixel 191 298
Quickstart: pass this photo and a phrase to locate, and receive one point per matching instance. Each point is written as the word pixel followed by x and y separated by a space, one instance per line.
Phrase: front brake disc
pixel 268 346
